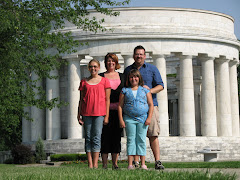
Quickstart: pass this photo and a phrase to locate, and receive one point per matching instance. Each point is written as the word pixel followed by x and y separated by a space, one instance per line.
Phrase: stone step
pixel 171 148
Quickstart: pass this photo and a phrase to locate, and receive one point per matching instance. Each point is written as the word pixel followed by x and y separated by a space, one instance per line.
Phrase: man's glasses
pixel 138 54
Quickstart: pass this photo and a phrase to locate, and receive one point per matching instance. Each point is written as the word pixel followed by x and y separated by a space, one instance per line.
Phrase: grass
pixel 79 170
pixel 223 164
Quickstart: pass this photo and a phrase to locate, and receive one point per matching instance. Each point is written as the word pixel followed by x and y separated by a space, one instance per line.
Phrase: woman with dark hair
pixel 111 133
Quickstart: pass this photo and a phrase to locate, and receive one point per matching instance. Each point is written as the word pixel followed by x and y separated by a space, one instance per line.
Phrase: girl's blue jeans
pixel 93 131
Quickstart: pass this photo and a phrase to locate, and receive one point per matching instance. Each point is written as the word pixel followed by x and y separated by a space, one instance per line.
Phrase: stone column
pixel 177 104
pixel 224 117
pixel 234 97
pixel 208 98
pixel 26 126
pixel 175 117
pixel 197 107
pixel 128 60
pixel 174 125
pixel 177 94
pixel 53 122
pixel 101 61
pixel 74 129
pixel 38 115
pixel 162 97
pixel 186 103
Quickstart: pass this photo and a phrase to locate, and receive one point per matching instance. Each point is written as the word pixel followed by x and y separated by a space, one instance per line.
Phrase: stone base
pixel 179 149
pixel 172 149
pixel 211 157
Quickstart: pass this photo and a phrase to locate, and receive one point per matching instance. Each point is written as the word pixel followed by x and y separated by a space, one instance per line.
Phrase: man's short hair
pixel 138 47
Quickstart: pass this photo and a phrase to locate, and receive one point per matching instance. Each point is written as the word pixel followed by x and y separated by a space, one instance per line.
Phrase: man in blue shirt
pixel 152 81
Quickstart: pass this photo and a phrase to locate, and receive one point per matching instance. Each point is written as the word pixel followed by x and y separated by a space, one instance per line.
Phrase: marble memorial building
pixel 197 54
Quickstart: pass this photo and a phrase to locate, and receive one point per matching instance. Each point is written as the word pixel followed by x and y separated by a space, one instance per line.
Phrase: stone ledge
pixel 172 149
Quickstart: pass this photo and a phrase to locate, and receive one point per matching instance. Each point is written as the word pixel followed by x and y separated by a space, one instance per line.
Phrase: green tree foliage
pixel 40 154
pixel 25 34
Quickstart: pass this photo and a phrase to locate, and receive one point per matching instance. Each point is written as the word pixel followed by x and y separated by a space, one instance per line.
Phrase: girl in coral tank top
pixel 93 110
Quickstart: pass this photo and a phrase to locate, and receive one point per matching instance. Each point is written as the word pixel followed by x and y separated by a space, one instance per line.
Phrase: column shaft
pixel 162 97
pixel 53 122
pixel 234 98
pixel 187 108
pixel 26 126
pixel 38 116
pixel 209 119
pixel 224 117
pixel 175 118
pixel 197 107
pixel 128 60
pixel 74 129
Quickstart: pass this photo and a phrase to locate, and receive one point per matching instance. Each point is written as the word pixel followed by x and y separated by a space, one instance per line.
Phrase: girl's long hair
pixel 134 72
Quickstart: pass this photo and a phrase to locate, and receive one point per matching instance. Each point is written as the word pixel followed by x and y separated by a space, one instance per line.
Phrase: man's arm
pixel 155 90
pixel 158 84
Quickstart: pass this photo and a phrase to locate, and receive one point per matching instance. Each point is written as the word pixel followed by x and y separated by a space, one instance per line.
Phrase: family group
pixel 111 101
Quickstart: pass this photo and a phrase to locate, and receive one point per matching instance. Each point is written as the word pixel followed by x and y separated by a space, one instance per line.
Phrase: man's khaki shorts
pixel 154 128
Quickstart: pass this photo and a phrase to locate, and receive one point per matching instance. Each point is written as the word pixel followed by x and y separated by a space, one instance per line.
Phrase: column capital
pixel 158 55
pixel 221 59
pixel 127 55
pixel 238 63
pixel 97 55
pixel 233 63
pixel 205 57
pixel 182 56
pixel 74 57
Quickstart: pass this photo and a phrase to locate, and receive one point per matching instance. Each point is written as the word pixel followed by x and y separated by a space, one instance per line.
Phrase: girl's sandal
pixel 144 167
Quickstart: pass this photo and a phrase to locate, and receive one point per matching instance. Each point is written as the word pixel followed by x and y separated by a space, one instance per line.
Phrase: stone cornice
pixel 153 35
pixel 169 9
pixel 161 23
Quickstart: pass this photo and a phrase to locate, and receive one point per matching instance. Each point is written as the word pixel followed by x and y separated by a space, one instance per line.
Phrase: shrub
pixel 68 157
pixel 8 161
pixel 40 154
pixel 21 154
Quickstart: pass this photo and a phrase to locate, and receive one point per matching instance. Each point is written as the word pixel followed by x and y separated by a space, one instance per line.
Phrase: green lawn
pixel 80 171
pixel 224 164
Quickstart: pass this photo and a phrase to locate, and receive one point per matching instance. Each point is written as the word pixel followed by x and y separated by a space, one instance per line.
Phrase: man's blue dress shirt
pixel 151 77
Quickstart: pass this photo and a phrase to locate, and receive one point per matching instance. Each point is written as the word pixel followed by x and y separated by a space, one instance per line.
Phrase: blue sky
pixel 229 7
